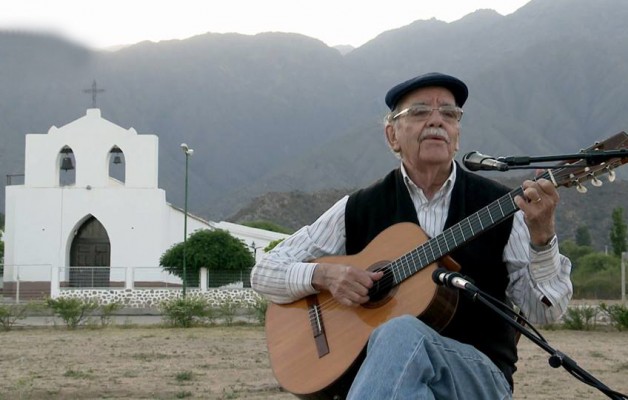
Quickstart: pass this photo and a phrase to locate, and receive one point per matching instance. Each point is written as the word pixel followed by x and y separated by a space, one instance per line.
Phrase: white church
pixel 90 197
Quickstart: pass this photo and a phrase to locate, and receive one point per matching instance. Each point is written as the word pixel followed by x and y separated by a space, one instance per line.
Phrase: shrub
pixel 272 245
pixel 228 309
pixel 580 318
pixel 598 276
pixel 258 309
pixel 618 315
pixel 106 312
pixel 185 312
pixel 11 313
pixel 574 251
pixel 72 311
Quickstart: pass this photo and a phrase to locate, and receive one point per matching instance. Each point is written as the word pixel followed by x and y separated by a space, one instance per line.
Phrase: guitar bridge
pixel 318 329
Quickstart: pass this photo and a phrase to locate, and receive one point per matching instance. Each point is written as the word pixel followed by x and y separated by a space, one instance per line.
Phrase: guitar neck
pixel 570 174
pixel 455 236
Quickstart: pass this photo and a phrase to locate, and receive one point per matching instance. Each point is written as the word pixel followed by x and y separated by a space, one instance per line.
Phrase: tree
pixel 574 252
pixel 618 232
pixel 583 237
pixel 215 250
pixel 272 245
pixel 597 277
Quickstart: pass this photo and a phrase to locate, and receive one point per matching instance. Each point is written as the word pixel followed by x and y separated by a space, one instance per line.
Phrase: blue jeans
pixel 407 359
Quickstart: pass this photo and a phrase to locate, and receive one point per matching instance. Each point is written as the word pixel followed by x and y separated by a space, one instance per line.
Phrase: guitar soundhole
pixel 384 289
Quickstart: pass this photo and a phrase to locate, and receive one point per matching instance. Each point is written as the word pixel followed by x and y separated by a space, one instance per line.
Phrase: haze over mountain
pixel 280 112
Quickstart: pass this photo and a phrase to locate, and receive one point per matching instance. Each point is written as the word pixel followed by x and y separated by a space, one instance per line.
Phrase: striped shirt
pixel 284 274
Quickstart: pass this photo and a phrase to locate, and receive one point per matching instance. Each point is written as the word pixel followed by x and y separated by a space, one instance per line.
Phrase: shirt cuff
pixel 546 246
pixel 299 279
pixel 544 263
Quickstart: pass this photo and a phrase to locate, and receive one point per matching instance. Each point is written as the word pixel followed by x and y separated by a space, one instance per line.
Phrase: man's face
pixel 419 141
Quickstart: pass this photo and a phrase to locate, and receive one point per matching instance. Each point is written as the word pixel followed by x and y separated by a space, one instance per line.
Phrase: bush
pixel 72 311
pixel 185 312
pixel 580 318
pixel 228 309
pixel 259 310
pixel 574 252
pixel 272 245
pixel 618 315
pixel 598 276
pixel 106 312
pixel 11 313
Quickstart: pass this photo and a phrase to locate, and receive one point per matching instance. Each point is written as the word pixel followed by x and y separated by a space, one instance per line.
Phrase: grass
pixel 149 357
pixel 184 376
pixel 71 373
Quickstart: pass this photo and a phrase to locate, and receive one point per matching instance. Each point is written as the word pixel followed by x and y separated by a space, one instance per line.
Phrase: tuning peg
pixel 595 181
pixel 581 188
pixel 611 174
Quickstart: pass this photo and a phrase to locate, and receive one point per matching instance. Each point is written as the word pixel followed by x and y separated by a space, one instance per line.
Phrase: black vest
pixel 371 210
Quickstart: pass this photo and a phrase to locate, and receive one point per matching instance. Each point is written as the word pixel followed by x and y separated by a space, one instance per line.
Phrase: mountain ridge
pixel 279 112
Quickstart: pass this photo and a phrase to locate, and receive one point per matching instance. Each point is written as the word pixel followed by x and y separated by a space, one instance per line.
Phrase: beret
pixel 454 85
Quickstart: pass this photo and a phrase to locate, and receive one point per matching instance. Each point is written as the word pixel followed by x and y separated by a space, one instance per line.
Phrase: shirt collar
pixel 446 188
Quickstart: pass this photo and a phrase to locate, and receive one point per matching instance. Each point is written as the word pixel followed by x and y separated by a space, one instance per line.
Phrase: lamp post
pixel 188 152
pixel 624 260
pixel 254 248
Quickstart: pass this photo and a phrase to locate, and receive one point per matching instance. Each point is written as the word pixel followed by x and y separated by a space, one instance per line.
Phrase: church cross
pixel 93 91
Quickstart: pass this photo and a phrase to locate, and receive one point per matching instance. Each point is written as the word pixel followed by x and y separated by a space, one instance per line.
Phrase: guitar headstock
pixel 591 168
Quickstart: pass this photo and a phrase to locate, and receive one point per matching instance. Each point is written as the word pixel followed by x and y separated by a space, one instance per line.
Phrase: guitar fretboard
pixel 454 236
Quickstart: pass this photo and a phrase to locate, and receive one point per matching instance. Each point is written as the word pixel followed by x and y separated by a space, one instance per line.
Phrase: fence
pixel 31 282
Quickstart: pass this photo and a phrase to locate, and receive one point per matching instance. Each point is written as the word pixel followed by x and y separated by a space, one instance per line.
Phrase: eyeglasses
pixel 422 112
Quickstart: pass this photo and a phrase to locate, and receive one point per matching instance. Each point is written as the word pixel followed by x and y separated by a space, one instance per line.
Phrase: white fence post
pixel 17 284
pixel 203 278
pixel 128 278
pixel 54 282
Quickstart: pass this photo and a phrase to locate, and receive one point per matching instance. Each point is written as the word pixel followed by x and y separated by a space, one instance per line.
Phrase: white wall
pixel 42 217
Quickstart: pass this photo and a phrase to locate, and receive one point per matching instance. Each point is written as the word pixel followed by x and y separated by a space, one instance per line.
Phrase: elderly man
pixel 517 261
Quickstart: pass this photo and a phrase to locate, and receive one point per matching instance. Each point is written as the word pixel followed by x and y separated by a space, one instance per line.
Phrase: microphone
pixel 444 277
pixel 475 161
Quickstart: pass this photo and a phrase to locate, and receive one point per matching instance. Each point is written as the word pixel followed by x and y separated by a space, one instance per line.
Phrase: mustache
pixel 434 133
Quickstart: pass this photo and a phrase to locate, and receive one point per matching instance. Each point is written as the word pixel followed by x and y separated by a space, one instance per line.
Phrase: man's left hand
pixel 538 204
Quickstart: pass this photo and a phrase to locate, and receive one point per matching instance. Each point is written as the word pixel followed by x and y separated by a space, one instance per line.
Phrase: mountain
pixel 281 112
pixel 344 48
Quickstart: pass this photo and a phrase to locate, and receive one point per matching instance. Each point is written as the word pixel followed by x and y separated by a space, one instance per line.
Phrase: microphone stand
pixel 557 358
pixel 591 157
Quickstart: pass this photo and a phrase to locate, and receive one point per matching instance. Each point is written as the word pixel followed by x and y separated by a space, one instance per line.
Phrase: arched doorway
pixel 90 255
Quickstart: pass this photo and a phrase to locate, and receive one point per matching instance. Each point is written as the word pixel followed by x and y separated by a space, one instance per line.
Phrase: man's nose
pixel 435 119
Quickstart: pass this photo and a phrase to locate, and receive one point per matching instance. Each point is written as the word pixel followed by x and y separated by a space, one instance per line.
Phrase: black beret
pixel 454 85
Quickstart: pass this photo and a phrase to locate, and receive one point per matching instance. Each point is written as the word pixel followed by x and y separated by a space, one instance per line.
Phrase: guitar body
pixel 316 344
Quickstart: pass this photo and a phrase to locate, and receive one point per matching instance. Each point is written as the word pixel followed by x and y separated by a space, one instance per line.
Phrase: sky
pixel 107 23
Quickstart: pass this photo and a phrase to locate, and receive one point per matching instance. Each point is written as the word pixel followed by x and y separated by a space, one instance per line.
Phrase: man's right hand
pixel 348 285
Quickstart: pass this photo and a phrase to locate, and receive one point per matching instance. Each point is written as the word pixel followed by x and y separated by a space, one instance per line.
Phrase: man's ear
pixel 391 138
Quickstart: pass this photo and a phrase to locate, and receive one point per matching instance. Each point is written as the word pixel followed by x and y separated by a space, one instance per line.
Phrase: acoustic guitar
pixel 316 345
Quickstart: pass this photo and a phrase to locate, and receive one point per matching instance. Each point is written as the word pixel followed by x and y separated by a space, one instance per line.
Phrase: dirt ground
pixel 153 362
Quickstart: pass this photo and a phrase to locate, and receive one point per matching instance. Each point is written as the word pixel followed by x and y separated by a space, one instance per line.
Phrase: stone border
pixel 152 298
